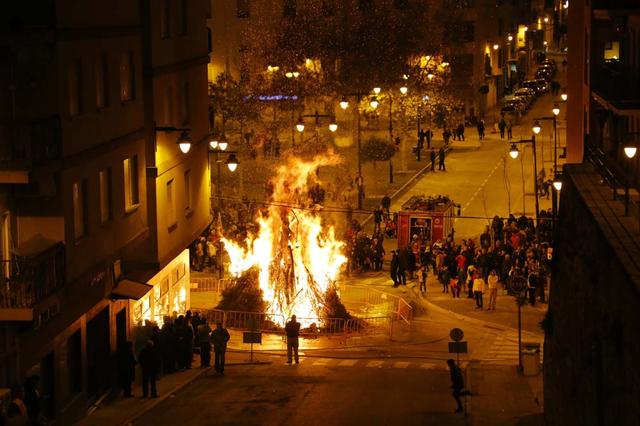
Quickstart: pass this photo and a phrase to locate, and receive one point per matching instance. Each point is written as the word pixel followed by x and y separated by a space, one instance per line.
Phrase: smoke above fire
pixel 297 256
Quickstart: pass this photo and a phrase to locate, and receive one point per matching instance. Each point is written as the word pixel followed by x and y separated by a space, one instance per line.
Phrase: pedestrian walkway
pixel 122 411
pixel 504 350
pixel 367 362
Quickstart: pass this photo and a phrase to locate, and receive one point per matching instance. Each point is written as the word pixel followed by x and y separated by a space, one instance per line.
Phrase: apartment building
pixel 591 373
pixel 98 202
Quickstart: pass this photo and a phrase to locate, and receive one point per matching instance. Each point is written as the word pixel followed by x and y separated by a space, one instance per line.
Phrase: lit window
pixel 104 177
pixel 131 195
pixel 127 72
pixel 79 195
pixel 171 208
pixel 187 190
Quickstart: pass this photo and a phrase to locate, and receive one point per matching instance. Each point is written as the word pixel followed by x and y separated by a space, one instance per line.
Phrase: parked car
pixel 543 86
pixel 544 74
pixel 550 62
pixel 533 85
pixel 525 93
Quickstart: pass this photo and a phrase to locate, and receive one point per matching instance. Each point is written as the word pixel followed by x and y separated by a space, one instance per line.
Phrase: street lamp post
pixel 514 152
pixel 218 146
pixel 344 104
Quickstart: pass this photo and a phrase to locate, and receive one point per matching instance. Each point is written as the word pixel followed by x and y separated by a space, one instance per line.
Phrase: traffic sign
pixel 519 283
pixel 456 334
pixel 457 347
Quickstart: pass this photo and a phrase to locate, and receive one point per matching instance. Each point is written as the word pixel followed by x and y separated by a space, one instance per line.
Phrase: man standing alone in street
pixel 292 328
pixel 220 337
pixel 441 160
pixel 457 384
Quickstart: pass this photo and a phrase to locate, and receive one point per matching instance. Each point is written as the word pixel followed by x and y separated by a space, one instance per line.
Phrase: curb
pixel 462 317
pixel 166 395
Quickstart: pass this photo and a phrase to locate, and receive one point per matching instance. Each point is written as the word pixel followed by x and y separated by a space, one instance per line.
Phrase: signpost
pixel 252 336
pixel 458 346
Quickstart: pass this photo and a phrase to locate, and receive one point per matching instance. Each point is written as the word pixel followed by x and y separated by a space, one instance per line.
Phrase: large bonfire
pixel 297 257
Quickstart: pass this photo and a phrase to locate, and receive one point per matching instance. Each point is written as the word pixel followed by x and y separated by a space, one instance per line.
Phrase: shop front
pixel 168 294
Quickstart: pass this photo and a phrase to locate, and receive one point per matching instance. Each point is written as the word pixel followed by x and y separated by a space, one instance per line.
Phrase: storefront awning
pixel 127 289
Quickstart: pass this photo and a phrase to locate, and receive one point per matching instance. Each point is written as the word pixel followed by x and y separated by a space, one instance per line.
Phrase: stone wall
pixel 592 353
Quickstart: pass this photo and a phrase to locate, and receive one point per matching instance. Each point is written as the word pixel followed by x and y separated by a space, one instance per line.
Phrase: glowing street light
pixel 333 126
pixel 564 96
pixel 344 103
pixel 630 151
pixel 496 46
pixel 510 37
pixel 377 90
pixel 300 125
pixel 556 110
pixel 514 151
pixel 557 183
pixel 373 103
pixel 232 162
pixel 184 142
pixel 430 76
pixel 536 127
pixel 404 90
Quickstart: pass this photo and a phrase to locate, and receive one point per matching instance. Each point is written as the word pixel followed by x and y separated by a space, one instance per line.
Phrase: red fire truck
pixel 429 218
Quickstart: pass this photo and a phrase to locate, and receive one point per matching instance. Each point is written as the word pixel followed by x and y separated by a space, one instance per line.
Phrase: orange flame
pixel 298 259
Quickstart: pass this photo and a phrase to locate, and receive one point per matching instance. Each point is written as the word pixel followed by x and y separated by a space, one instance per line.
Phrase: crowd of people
pixel 507 253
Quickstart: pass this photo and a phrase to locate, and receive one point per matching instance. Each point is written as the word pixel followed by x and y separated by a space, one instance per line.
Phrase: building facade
pixel 98 206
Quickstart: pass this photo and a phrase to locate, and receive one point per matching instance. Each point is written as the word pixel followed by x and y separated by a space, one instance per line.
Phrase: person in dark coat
pixel 457 384
pixel 386 205
pixel 393 268
pixel 411 262
pixel 126 363
pixel 149 364
pixel 403 265
pixel 168 346
pixel 432 156
pixel 203 336
pixel 292 329
pixel 219 338
pixel 441 160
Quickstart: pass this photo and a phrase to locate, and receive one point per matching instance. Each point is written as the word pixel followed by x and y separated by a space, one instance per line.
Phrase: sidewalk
pixel 502 396
pixel 123 411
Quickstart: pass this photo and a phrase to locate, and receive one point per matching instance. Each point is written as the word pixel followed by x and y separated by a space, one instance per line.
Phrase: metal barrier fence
pixel 244 320
pixel 381 310
pixel 376 301
pixel 210 284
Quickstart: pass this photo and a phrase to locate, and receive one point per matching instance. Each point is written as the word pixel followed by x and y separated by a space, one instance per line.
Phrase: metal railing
pixel 199 284
pixel 33 279
pixel 376 301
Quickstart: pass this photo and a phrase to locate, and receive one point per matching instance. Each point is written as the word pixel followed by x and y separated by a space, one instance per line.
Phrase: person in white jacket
pixel 492 282
pixel 478 289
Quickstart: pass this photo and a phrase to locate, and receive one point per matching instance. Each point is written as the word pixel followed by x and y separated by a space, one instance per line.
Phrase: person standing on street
pixel 457 384
pixel 509 129
pixel 502 126
pixel 150 364
pixel 478 289
pixel 292 329
pixel 386 205
pixel 393 268
pixel 219 337
pixel 480 127
pixel 432 155
pixel 441 160
pixel 204 340
pixel 422 278
pixel 403 265
pixel 492 283
pixel 126 362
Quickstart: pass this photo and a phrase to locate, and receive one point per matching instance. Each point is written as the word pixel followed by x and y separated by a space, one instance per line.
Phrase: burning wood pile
pixel 294 257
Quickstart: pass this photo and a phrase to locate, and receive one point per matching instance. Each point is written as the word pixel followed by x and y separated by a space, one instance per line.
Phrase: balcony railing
pixel 26 281
pixel 615 86
pixel 30 144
